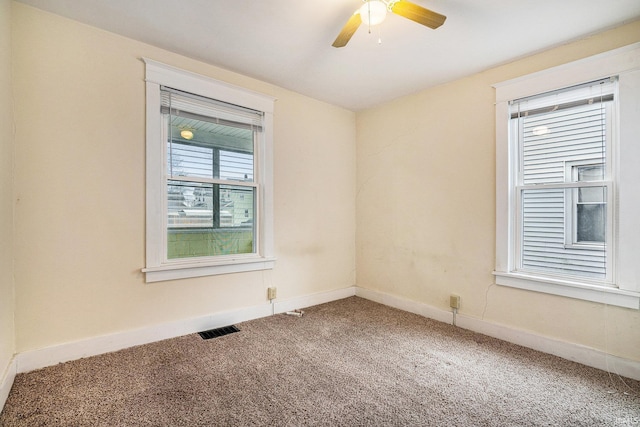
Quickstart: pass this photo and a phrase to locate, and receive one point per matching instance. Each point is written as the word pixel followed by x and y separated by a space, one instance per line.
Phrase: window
pixel 566 184
pixel 564 218
pixel 210 180
pixel 209 176
pixel 587 218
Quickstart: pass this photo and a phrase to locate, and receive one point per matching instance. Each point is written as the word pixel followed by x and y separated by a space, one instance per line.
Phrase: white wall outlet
pixel 454 301
pixel 271 293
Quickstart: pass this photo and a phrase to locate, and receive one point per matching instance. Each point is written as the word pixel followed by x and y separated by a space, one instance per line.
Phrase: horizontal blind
pixel 587 93
pixel 556 131
pixel 200 108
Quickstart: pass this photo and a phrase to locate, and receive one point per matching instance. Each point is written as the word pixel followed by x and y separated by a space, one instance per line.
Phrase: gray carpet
pixel 347 363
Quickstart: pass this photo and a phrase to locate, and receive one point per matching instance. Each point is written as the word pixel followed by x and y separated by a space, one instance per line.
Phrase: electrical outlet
pixel 271 293
pixel 454 301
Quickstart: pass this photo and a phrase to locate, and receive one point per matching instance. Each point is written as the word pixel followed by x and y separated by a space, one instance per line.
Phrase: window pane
pixel 551 140
pixel 209 153
pixel 209 150
pixel 236 206
pixel 591 223
pixel 543 238
pixel 209 220
pixel 189 205
pixel 236 166
pixel 591 195
pixel 190 160
pixel 591 173
pixel 206 162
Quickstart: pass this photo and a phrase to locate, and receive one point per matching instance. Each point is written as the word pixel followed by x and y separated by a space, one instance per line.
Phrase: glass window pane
pixel 591 195
pixel 209 220
pixel 543 238
pixel 552 139
pixel 190 160
pixel 591 223
pixel 236 166
pixel 591 173
pixel 189 205
pixel 209 150
pixel 236 206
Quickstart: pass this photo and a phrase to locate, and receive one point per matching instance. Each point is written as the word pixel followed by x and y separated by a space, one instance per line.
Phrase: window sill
pixel 567 288
pixel 185 270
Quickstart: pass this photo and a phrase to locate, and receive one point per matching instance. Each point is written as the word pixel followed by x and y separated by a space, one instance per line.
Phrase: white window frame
pixel 625 248
pixel 158 267
pixel 571 222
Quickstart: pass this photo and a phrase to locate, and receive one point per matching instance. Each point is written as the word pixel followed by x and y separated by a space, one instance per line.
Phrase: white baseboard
pixel 313 299
pixel 40 358
pixel 575 352
pixel 570 351
pixel 6 381
pixel 49 356
pixel 404 304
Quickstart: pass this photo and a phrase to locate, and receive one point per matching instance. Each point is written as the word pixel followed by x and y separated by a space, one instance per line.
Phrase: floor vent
pixel 218 332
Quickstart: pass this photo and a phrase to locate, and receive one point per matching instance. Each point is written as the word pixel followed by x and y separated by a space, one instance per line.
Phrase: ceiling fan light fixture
pixel 373 12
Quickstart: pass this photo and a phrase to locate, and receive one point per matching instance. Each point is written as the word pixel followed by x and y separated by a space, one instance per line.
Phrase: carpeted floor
pixel 347 363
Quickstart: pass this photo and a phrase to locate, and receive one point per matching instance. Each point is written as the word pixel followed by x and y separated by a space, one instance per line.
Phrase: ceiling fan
pixel 373 12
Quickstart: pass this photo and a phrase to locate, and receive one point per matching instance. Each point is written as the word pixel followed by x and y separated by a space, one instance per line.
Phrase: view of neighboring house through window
pixel 210 186
pixel 563 181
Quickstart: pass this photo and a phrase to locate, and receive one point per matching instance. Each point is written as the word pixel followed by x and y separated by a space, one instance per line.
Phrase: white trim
pixel 49 356
pixel 505 196
pixel 158 268
pixel 179 271
pixel 575 352
pixel 167 75
pixel 313 299
pixel 405 304
pixel 579 290
pixel 628 201
pixel 6 381
pixel 592 68
pixel 625 250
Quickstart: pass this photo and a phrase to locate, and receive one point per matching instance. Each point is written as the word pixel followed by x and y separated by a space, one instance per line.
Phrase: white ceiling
pixel 288 42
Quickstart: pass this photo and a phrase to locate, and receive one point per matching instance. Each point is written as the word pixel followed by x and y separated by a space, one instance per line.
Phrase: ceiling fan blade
pixel 418 14
pixel 347 31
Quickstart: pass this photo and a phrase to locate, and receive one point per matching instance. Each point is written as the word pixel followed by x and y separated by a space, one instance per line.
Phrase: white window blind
pixel 197 107
pixel 563 213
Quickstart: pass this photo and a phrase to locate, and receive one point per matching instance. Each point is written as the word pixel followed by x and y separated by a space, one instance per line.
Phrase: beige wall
pixel 423 197
pixel 80 190
pixel 7 347
pixel 426 207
